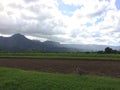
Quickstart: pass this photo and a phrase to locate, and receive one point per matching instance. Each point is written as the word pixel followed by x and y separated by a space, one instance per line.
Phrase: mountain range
pixel 19 43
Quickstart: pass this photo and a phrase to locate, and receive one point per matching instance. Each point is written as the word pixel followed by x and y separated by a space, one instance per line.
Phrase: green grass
pixel 62 55
pixel 15 79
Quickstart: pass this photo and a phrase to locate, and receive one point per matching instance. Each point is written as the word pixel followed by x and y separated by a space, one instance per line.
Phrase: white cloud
pixel 39 17
pixel 43 20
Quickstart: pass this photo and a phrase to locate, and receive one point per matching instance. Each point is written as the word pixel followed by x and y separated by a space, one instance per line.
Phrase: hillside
pixel 19 43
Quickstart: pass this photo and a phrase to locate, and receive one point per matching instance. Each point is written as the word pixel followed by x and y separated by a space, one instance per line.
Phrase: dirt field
pixel 81 67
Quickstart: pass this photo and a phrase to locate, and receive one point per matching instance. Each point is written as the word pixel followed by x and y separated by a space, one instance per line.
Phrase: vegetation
pixel 109 50
pixel 14 79
pixel 62 55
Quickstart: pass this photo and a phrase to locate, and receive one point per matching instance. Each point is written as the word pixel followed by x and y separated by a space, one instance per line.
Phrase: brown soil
pixel 81 67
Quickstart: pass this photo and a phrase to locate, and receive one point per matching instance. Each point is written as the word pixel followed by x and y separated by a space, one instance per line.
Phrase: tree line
pixel 109 50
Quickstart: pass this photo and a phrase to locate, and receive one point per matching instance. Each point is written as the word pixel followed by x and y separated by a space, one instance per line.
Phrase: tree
pixel 108 50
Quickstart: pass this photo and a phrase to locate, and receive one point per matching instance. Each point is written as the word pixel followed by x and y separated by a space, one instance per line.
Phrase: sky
pixel 64 21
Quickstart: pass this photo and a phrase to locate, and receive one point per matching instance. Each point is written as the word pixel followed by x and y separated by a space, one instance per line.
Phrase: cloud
pixel 91 23
pixel 33 17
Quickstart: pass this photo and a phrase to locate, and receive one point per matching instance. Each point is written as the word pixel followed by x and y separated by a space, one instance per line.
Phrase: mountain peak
pixel 18 35
pixel 19 43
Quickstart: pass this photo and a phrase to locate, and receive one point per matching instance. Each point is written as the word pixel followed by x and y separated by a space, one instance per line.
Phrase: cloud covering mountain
pixel 65 21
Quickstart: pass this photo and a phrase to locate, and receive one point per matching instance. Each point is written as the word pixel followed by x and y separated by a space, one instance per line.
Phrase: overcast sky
pixel 65 21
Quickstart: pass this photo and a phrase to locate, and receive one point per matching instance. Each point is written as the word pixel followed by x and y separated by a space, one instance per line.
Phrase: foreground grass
pixel 62 55
pixel 15 79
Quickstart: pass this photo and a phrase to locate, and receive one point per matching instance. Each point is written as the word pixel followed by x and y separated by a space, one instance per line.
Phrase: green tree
pixel 108 50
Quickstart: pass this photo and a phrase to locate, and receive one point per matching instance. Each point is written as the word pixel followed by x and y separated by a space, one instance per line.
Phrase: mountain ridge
pixel 20 43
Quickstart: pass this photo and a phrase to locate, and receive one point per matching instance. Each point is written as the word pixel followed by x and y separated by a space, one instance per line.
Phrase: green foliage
pixel 109 50
pixel 92 56
pixel 14 79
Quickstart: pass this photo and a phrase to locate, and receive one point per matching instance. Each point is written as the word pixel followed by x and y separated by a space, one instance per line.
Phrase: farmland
pixel 92 56
pixel 59 71
pixel 96 67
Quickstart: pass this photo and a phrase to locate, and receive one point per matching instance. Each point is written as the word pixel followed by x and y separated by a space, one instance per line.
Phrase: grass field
pixel 15 79
pixel 63 55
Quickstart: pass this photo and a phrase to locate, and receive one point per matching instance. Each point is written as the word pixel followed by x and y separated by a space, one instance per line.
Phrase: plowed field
pixel 109 68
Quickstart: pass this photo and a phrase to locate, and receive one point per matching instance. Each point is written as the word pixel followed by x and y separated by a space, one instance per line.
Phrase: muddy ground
pixel 81 67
